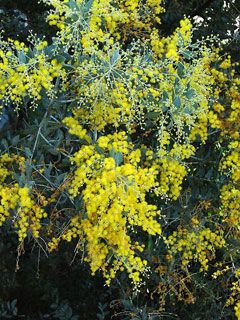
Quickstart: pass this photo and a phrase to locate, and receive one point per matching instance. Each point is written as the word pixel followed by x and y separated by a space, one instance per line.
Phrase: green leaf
pixel 177 102
pixel 60 58
pixel 49 50
pixel 22 57
pixel 190 94
pixel 87 6
pixel 118 157
pixel 114 57
pixel 180 70
pixel 187 54
pixel 72 5
pixel 187 110
pixel 165 96
pixel 28 152
pixel 152 115
pixel 15 140
pixel 147 57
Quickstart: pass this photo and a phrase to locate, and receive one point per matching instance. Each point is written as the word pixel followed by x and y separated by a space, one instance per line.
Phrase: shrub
pixel 129 149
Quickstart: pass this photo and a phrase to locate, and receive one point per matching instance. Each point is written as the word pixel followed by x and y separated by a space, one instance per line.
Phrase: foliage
pixel 19 18
pixel 127 148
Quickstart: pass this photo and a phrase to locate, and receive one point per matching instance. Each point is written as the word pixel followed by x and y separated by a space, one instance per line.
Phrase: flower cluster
pixel 17 203
pixel 26 73
pixel 195 245
pixel 172 175
pixel 226 118
pixel 98 22
pixel 130 87
pixel 114 185
pixel 172 46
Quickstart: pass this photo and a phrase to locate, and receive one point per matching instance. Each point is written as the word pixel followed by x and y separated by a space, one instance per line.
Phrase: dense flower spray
pixel 139 106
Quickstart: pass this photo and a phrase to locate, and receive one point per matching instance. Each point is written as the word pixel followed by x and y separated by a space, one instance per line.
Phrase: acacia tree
pixel 128 149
